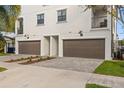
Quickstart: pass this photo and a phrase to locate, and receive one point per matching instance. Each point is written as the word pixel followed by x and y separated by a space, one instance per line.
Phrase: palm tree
pixel 8 16
pixel 2 43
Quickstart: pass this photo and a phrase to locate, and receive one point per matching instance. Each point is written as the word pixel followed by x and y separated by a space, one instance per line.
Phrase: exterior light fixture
pixel 81 33
pixel 27 36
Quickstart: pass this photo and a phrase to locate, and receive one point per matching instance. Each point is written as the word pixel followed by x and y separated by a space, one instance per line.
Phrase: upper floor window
pixel 99 16
pixel 61 15
pixel 20 26
pixel 40 19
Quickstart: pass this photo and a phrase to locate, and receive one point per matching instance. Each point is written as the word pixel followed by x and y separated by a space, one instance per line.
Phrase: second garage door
pixel 29 47
pixel 89 48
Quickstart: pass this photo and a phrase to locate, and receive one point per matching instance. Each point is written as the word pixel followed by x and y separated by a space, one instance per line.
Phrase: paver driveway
pixel 71 63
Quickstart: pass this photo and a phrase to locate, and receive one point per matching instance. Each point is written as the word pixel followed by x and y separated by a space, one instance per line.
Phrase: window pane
pixel 40 19
pixel 38 16
pixel 42 16
pixel 59 13
pixel 64 12
pixel 62 15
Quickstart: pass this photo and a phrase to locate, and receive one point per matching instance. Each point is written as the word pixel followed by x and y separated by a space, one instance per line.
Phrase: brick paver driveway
pixel 71 63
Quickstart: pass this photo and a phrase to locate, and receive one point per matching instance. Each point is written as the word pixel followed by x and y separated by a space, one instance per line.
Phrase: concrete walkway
pixel 37 77
pixel 110 81
pixel 42 77
pixel 13 56
pixel 9 66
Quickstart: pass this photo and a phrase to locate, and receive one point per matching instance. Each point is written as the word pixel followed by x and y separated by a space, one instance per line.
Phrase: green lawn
pixel 2 69
pixel 114 68
pixel 95 86
pixel 3 54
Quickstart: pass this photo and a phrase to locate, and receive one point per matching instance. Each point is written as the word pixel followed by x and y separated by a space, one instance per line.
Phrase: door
pixel 29 47
pixel 86 48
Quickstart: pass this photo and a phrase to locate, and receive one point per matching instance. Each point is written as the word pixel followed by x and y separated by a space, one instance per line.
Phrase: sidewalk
pixel 110 81
pixel 41 77
pixel 9 66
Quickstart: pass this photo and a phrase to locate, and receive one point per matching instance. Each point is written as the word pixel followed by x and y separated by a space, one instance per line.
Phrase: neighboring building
pixel 10 41
pixel 10 45
pixel 66 31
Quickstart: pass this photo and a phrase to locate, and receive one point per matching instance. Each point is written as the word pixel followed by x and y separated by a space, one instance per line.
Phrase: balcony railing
pixel 20 31
pixel 99 22
pixel 20 26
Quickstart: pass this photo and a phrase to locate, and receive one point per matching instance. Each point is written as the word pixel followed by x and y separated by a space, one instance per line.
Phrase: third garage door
pixel 29 47
pixel 89 48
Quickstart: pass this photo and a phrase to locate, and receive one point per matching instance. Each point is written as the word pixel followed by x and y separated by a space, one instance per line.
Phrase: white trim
pixel 30 40
pixel 97 29
pixel 51 35
pixel 19 35
pixel 90 37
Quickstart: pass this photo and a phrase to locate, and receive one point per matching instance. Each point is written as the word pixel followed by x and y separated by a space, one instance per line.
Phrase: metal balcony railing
pixel 99 22
pixel 20 31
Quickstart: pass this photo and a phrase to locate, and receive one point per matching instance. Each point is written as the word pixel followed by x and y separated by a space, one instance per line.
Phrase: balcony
pixel 99 17
pixel 99 22
pixel 19 30
pixel 20 26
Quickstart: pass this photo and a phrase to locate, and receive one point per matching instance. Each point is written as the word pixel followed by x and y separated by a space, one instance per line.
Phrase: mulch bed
pixel 21 59
pixel 35 61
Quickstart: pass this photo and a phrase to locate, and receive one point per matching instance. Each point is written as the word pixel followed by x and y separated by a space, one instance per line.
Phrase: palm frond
pixel 9 14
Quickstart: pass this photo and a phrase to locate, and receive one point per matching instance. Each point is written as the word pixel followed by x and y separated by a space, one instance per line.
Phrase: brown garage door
pixel 94 48
pixel 29 47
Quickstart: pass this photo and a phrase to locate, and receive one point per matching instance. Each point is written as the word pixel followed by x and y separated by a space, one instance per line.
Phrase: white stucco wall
pixel 77 20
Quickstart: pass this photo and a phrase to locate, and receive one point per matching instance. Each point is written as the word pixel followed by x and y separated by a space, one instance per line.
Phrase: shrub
pixel 30 59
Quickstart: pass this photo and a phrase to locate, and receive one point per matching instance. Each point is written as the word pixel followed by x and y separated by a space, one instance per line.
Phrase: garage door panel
pixel 29 47
pixel 94 48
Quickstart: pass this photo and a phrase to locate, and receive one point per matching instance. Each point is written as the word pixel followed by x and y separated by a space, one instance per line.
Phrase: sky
pixel 120 31
pixel 120 27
